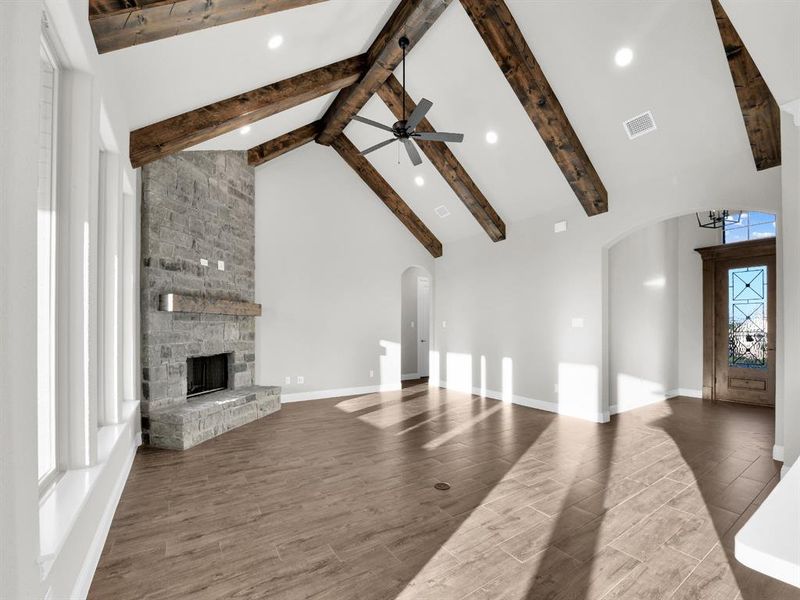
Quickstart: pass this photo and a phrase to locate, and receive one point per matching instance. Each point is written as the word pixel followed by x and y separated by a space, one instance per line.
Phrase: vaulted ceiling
pixel 679 72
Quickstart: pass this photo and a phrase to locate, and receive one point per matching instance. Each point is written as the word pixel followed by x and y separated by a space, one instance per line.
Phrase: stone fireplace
pixel 198 314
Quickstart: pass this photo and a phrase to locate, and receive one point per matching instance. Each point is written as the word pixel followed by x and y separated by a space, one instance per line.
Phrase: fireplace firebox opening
pixel 206 374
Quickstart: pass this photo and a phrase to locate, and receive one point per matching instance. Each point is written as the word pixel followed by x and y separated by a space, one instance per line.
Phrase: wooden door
pixel 739 322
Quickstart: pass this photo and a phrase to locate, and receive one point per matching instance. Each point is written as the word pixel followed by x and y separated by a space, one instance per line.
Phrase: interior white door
pixel 423 325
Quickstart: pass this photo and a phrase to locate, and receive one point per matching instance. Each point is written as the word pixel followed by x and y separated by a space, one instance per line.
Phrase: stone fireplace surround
pixel 198 205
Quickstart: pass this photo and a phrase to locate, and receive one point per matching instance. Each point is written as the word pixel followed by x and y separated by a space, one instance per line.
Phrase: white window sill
pixel 61 506
pixel 770 541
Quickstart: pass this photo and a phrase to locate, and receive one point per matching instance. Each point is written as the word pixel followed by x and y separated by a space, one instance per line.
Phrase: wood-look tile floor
pixel 334 500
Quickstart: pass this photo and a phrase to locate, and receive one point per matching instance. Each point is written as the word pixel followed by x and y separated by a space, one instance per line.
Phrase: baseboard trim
pixel 339 392
pixel 777 453
pixel 408 376
pixel 614 409
pixel 552 407
pixel 687 392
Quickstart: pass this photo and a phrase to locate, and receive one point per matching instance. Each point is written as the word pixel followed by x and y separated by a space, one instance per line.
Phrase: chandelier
pixel 717 219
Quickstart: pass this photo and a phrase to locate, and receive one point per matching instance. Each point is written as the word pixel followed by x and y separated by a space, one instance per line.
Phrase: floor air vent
pixel 639 125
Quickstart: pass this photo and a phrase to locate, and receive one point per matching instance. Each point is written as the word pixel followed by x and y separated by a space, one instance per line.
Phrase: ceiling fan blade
pixel 439 136
pixel 412 152
pixel 377 146
pixel 373 123
pixel 419 113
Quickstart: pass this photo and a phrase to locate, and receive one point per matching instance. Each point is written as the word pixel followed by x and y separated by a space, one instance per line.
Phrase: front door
pixel 745 317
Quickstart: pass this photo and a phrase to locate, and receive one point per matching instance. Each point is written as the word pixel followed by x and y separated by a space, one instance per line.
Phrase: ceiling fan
pixel 404 130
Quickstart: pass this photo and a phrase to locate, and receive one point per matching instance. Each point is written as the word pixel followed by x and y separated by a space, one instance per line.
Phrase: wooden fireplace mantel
pixel 195 304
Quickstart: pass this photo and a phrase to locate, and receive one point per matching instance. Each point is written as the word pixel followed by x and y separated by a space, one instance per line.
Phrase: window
pixel 45 272
pixel 751 226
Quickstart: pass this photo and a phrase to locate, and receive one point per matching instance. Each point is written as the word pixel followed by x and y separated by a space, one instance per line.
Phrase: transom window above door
pixel 750 226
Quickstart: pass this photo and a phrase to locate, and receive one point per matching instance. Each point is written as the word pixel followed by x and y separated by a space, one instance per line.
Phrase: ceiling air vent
pixel 639 125
pixel 442 211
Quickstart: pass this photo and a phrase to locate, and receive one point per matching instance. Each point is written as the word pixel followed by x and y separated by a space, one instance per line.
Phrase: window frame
pixel 47 480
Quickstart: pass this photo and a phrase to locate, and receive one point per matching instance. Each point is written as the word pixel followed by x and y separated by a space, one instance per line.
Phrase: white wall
pixel 690 303
pixel 329 260
pixel 656 313
pixel 49 543
pixel 788 374
pixel 643 316
pixel 19 524
pixel 540 300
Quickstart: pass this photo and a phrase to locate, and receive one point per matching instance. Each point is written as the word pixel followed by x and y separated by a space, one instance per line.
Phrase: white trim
pixel 768 541
pixel 777 453
pixel 408 376
pixel 339 392
pixel 515 399
pixel 687 392
pixel 614 409
pixel 86 575
pixel 91 493
pixel 793 108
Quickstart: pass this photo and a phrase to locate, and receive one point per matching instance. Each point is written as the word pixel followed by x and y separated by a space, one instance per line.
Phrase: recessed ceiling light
pixel 491 137
pixel 245 130
pixel 419 180
pixel 275 42
pixel 623 57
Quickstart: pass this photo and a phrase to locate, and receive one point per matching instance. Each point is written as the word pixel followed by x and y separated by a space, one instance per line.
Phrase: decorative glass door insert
pixel 747 317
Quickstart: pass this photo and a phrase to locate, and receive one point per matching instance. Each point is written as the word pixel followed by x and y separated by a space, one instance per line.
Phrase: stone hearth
pixel 185 425
pixel 198 252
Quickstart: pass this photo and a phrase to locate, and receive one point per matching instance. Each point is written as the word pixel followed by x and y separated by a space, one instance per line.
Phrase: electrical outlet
pixel 221 265
pixel 203 262
pixel 301 379
pixel 444 324
pixel 412 324
pixel 371 373
pixel 555 388
pixel 288 380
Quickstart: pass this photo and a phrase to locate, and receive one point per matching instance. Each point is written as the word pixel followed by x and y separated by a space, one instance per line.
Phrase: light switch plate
pixel 288 380
pixel 301 379
pixel 577 322
pixel 203 262
pixel 444 324
pixel 371 373
pixel 560 227
pixel 221 265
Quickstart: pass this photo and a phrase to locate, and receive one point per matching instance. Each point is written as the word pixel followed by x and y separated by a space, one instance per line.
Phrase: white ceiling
pixel 679 72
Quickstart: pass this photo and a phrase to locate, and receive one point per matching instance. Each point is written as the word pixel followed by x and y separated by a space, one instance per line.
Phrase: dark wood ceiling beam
pixel 760 111
pixel 391 92
pixel 282 144
pixel 412 18
pixel 118 24
pixel 386 193
pixel 505 41
pixel 196 126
